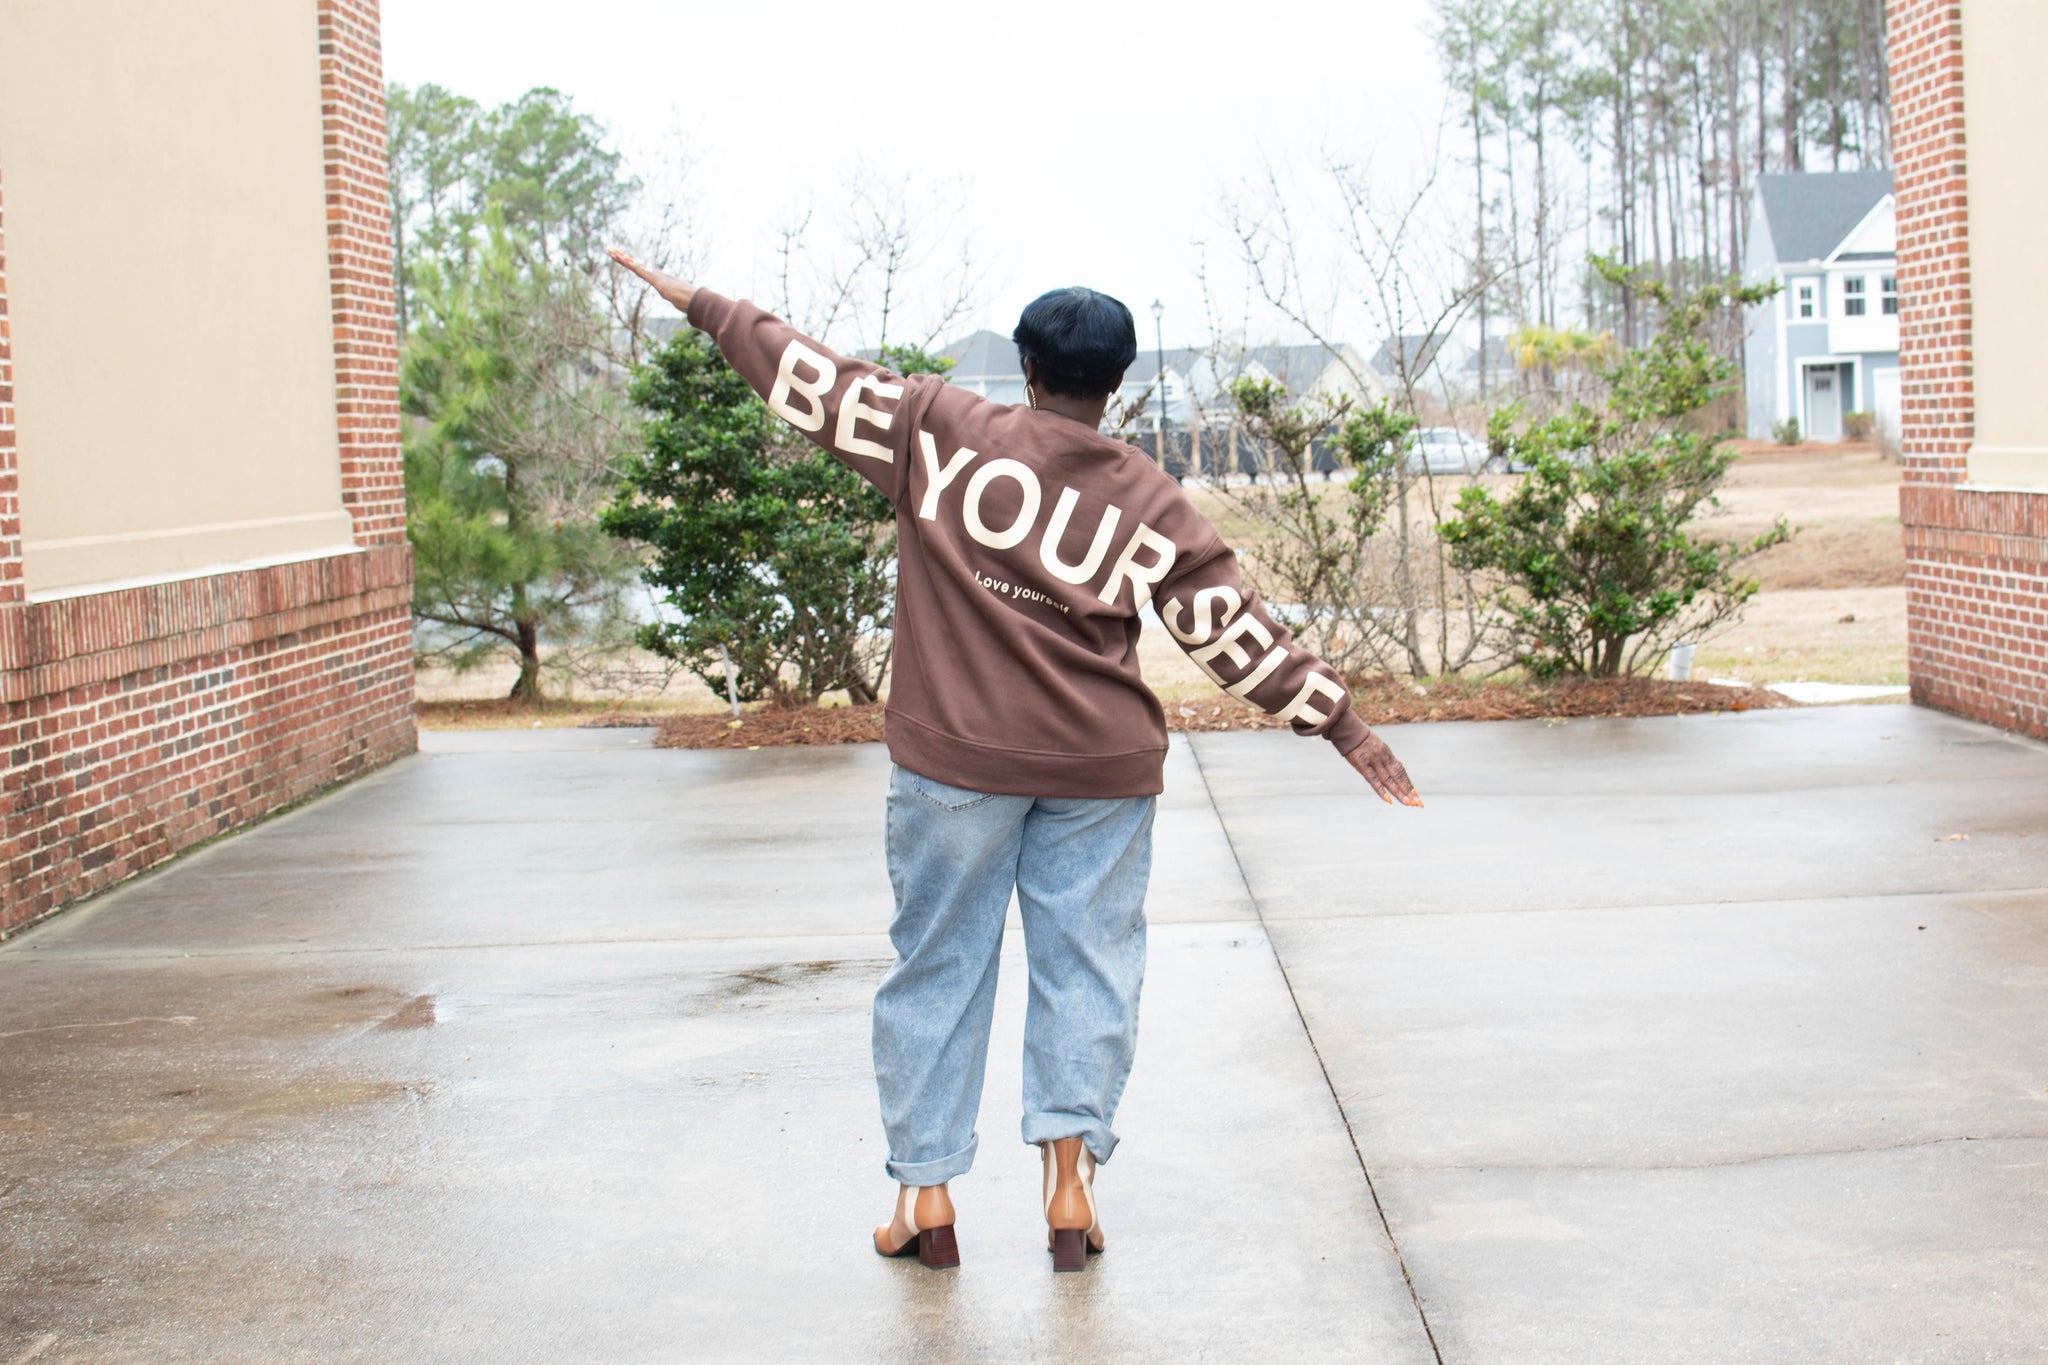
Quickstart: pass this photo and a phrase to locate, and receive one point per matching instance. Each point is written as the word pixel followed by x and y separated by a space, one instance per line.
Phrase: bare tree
pixel 891 268
pixel 1393 258
pixel 1316 547
pixel 660 228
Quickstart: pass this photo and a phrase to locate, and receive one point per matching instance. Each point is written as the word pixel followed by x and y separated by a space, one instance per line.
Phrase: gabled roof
pixel 1298 367
pixel 1876 236
pixel 1180 360
pixel 984 355
pixel 1499 356
pixel 1810 212
pixel 1419 350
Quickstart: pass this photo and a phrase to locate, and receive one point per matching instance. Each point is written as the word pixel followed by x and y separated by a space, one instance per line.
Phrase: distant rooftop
pixel 984 355
pixel 1414 352
pixel 1810 212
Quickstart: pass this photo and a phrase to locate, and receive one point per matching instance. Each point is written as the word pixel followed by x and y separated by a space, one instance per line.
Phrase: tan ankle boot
pixel 1074 1229
pixel 924 1224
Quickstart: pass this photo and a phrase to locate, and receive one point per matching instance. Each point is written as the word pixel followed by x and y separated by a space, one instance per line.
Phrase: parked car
pixel 1444 450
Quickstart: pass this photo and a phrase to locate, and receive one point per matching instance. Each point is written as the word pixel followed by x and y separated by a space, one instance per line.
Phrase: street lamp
pixel 1159 412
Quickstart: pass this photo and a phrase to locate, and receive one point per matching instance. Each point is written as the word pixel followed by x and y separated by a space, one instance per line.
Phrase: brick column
pixel 11 589
pixel 1930 179
pixel 360 269
pixel 1976 558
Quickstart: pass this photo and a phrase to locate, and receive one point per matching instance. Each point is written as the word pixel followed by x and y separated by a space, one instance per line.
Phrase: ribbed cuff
pixel 707 309
pixel 936 1172
pixel 1348 732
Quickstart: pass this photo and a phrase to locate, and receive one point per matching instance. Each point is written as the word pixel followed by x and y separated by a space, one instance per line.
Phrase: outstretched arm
pixel 1221 624
pixel 849 408
pixel 675 289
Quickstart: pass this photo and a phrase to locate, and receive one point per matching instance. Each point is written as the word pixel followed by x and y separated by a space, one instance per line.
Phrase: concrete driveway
pixel 1678 1040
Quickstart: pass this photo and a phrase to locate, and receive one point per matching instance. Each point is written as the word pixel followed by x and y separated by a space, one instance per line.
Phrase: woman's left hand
pixel 677 291
pixel 1376 763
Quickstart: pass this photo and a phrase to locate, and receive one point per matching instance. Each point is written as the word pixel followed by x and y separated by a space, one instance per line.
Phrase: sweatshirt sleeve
pixel 852 409
pixel 1221 625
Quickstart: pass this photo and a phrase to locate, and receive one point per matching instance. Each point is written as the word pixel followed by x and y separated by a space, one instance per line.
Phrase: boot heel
pixel 937 1249
pixel 1069 1249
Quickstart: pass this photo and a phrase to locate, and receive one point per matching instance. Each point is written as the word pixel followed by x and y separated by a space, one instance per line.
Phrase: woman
pixel 1027 750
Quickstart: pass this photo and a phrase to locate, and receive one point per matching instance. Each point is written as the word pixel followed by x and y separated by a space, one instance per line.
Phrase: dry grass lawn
pixel 1807 635
pixel 1844 501
pixel 1833 603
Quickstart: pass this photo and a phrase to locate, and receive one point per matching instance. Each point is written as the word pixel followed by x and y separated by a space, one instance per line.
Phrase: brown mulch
pixel 756 729
pixel 1381 700
pixel 623 720
pixel 500 713
pixel 1386 700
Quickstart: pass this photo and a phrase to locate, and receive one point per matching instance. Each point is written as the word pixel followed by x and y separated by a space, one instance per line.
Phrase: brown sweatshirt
pixel 1027 544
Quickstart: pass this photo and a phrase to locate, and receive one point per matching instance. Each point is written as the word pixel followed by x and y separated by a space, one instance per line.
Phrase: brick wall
pixel 1976 560
pixel 359 267
pixel 136 723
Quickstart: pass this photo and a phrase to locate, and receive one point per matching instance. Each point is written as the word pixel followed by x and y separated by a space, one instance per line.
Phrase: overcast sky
pixel 1081 143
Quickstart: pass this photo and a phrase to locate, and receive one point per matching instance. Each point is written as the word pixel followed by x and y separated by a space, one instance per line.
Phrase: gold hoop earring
pixel 1030 398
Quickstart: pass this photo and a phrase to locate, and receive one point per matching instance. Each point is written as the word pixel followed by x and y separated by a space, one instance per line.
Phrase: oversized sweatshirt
pixel 1028 545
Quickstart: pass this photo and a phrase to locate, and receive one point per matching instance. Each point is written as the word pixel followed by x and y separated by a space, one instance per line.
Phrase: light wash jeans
pixel 1079 868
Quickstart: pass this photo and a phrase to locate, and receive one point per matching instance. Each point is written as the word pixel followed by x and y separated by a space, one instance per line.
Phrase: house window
pixel 1852 296
pixel 1888 287
pixel 1805 299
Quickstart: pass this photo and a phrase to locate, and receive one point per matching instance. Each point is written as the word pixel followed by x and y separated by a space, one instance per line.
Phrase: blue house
pixel 1828 343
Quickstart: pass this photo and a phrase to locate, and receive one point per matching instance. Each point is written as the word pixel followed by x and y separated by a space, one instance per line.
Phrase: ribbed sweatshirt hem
pixel 930 752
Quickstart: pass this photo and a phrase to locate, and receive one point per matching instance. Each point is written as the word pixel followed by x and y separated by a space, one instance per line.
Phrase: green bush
pixel 1857 426
pixel 1593 559
pixel 760 542
pixel 1786 433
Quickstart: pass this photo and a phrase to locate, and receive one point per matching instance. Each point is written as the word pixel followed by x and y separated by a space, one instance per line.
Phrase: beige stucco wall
pixel 168 286
pixel 2005 105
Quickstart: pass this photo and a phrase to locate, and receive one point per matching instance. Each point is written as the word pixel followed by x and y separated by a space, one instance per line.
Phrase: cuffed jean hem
pixel 1052 1127
pixel 936 1172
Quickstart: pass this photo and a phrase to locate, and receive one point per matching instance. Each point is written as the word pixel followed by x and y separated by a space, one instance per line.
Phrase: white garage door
pixel 1884 401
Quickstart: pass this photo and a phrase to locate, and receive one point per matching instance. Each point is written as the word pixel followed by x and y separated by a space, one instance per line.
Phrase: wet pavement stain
pixel 736 987
pixel 779 974
pixel 770 985
pixel 263 1115
pixel 417 1012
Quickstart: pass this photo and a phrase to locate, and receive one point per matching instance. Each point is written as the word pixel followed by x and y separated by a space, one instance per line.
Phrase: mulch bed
pixel 1381 700
pixel 756 729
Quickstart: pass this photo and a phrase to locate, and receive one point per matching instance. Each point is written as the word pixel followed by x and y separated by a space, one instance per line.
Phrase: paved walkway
pixel 1669 1040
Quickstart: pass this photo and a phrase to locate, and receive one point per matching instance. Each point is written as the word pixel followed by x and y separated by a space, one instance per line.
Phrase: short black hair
pixel 1080 341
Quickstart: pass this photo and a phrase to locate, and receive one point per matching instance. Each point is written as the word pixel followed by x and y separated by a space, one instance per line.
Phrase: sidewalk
pixel 546 1046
